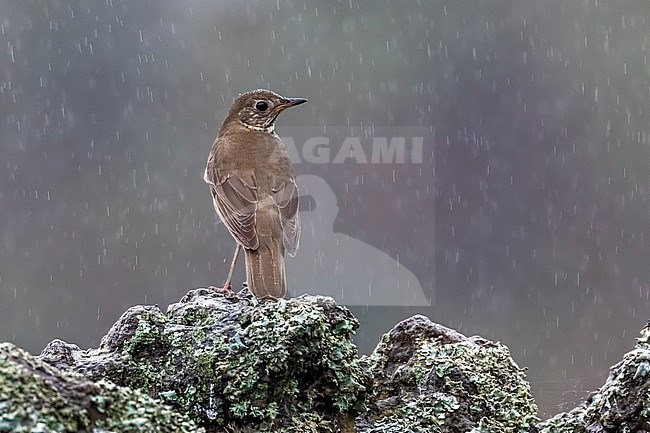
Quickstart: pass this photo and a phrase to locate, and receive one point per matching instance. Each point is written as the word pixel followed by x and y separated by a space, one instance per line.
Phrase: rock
pixel 232 361
pixel 36 397
pixel 235 364
pixel 621 405
pixel 431 378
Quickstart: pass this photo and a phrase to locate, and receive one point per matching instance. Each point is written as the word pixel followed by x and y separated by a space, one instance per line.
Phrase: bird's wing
pixel 235 200
pixel 285 195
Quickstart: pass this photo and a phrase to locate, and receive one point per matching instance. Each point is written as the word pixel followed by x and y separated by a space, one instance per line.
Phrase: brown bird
pixel 254 189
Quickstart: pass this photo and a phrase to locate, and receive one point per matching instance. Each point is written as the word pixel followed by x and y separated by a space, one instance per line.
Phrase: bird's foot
pixel 225 290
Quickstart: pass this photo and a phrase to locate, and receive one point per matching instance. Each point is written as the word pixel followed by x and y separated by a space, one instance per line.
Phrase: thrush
pixel 254 189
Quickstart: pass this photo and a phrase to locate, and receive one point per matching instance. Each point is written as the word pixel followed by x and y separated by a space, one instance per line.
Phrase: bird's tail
pixel 265 269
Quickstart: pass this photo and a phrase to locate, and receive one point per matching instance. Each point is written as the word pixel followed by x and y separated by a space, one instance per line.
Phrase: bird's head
pixel 258 109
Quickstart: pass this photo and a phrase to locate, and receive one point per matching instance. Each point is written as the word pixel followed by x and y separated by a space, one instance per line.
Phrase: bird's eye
pixel 262 106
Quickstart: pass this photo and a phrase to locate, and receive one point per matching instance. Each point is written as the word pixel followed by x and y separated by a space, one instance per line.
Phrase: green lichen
pixel 469 371
pixel 447 383
pixel 273 360
pixel 197 317
pixel 422 413
pixel 236 365
pixel 142 375
pixel 229 362
pixel 149 335
pixel 563 423
pixel 35 397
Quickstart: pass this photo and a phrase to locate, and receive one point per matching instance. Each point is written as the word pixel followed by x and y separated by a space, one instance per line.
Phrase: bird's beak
pixel 291 102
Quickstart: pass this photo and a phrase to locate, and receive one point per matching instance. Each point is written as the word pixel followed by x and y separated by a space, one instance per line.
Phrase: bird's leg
pixel 227 285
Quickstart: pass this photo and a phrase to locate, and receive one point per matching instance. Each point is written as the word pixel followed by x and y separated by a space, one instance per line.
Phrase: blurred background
pixel 525 221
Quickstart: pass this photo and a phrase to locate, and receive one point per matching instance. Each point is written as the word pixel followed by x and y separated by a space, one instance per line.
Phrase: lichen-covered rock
pixel 235 364
pixel 428 378
pixel 622 405
pixel 36 397
pixel 231 361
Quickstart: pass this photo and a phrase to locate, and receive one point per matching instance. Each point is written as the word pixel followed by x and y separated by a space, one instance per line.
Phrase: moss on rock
pixel 227 360
pixel 235 364
pixel 36 397
pixel 429 378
